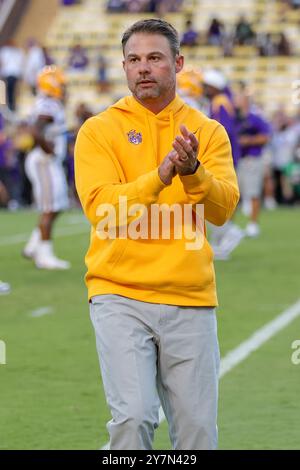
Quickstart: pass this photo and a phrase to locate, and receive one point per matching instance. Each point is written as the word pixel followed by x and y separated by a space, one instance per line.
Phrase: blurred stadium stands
pixel 89 24
pixel 272 80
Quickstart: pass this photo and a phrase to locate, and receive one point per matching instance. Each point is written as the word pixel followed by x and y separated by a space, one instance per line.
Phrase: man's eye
pixel 132 60
pixel 154 58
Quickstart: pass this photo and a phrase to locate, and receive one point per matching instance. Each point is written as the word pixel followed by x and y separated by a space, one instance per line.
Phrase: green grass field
pixel 50 389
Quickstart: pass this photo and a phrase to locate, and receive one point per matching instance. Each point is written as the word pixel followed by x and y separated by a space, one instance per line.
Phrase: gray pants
pixel 250 173
pixel 146 350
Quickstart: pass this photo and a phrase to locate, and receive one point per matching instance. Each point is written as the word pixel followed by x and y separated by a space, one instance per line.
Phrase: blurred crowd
pixel 281 155
pixel 142 6
pixel 294 4
pixel 18 64
pixel 121 6
pixel 21 66
pixel 241 34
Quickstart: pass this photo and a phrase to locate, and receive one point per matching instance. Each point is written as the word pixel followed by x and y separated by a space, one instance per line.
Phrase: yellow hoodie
pixel 117 153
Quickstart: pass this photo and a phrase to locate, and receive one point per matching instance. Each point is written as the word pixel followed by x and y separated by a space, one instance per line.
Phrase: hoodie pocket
pixel 156 266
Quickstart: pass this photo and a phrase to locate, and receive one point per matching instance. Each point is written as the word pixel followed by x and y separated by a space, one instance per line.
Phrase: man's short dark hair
pixel 154 26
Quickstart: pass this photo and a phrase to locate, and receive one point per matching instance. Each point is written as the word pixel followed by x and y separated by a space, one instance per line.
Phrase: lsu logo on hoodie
pixel 135 137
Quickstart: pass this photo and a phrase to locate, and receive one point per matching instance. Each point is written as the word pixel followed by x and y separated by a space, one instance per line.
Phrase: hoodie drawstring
pixel 171 134
pixel 150 133
pixel 172 128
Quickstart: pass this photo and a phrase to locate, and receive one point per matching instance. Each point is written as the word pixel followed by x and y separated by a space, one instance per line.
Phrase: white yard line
pixel 40 312
pixel 59 233
pixel 74 219
pixel 259 337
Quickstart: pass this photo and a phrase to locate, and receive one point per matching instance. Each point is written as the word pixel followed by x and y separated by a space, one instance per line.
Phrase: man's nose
pixel 144 66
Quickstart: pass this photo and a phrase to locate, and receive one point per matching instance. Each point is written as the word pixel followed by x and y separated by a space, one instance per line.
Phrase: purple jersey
pixel 189 37
pixel 251 125
pixel 222 110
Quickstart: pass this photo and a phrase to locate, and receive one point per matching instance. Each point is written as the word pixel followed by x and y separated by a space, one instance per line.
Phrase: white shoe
pixel 29 253
pixel 31 246
pixel 51 263
pixel 231 239
pixel 246 207
pixel 220 255
pixel 46 259
pixel 252 230
pixel 4 288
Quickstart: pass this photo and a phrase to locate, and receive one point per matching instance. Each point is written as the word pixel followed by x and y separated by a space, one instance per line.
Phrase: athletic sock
pixel 33 242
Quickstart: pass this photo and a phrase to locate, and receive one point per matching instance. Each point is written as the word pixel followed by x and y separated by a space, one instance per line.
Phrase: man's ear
pixel 123 63
pixel 179 63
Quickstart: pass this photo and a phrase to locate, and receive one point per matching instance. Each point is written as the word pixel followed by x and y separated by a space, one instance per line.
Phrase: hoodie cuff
pixel 192 182
pixel 149 186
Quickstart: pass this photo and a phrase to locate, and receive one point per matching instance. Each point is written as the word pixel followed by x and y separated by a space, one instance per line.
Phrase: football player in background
pixel 254 134
pixel 189 87
pixel 4 286
pixel 44 166
pixel 226 238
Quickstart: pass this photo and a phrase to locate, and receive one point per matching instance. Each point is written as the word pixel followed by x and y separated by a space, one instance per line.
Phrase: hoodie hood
pixel 131 105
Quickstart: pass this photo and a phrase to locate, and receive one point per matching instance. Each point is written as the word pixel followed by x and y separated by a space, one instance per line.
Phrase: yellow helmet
pixel 51 81
pixel 189 81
